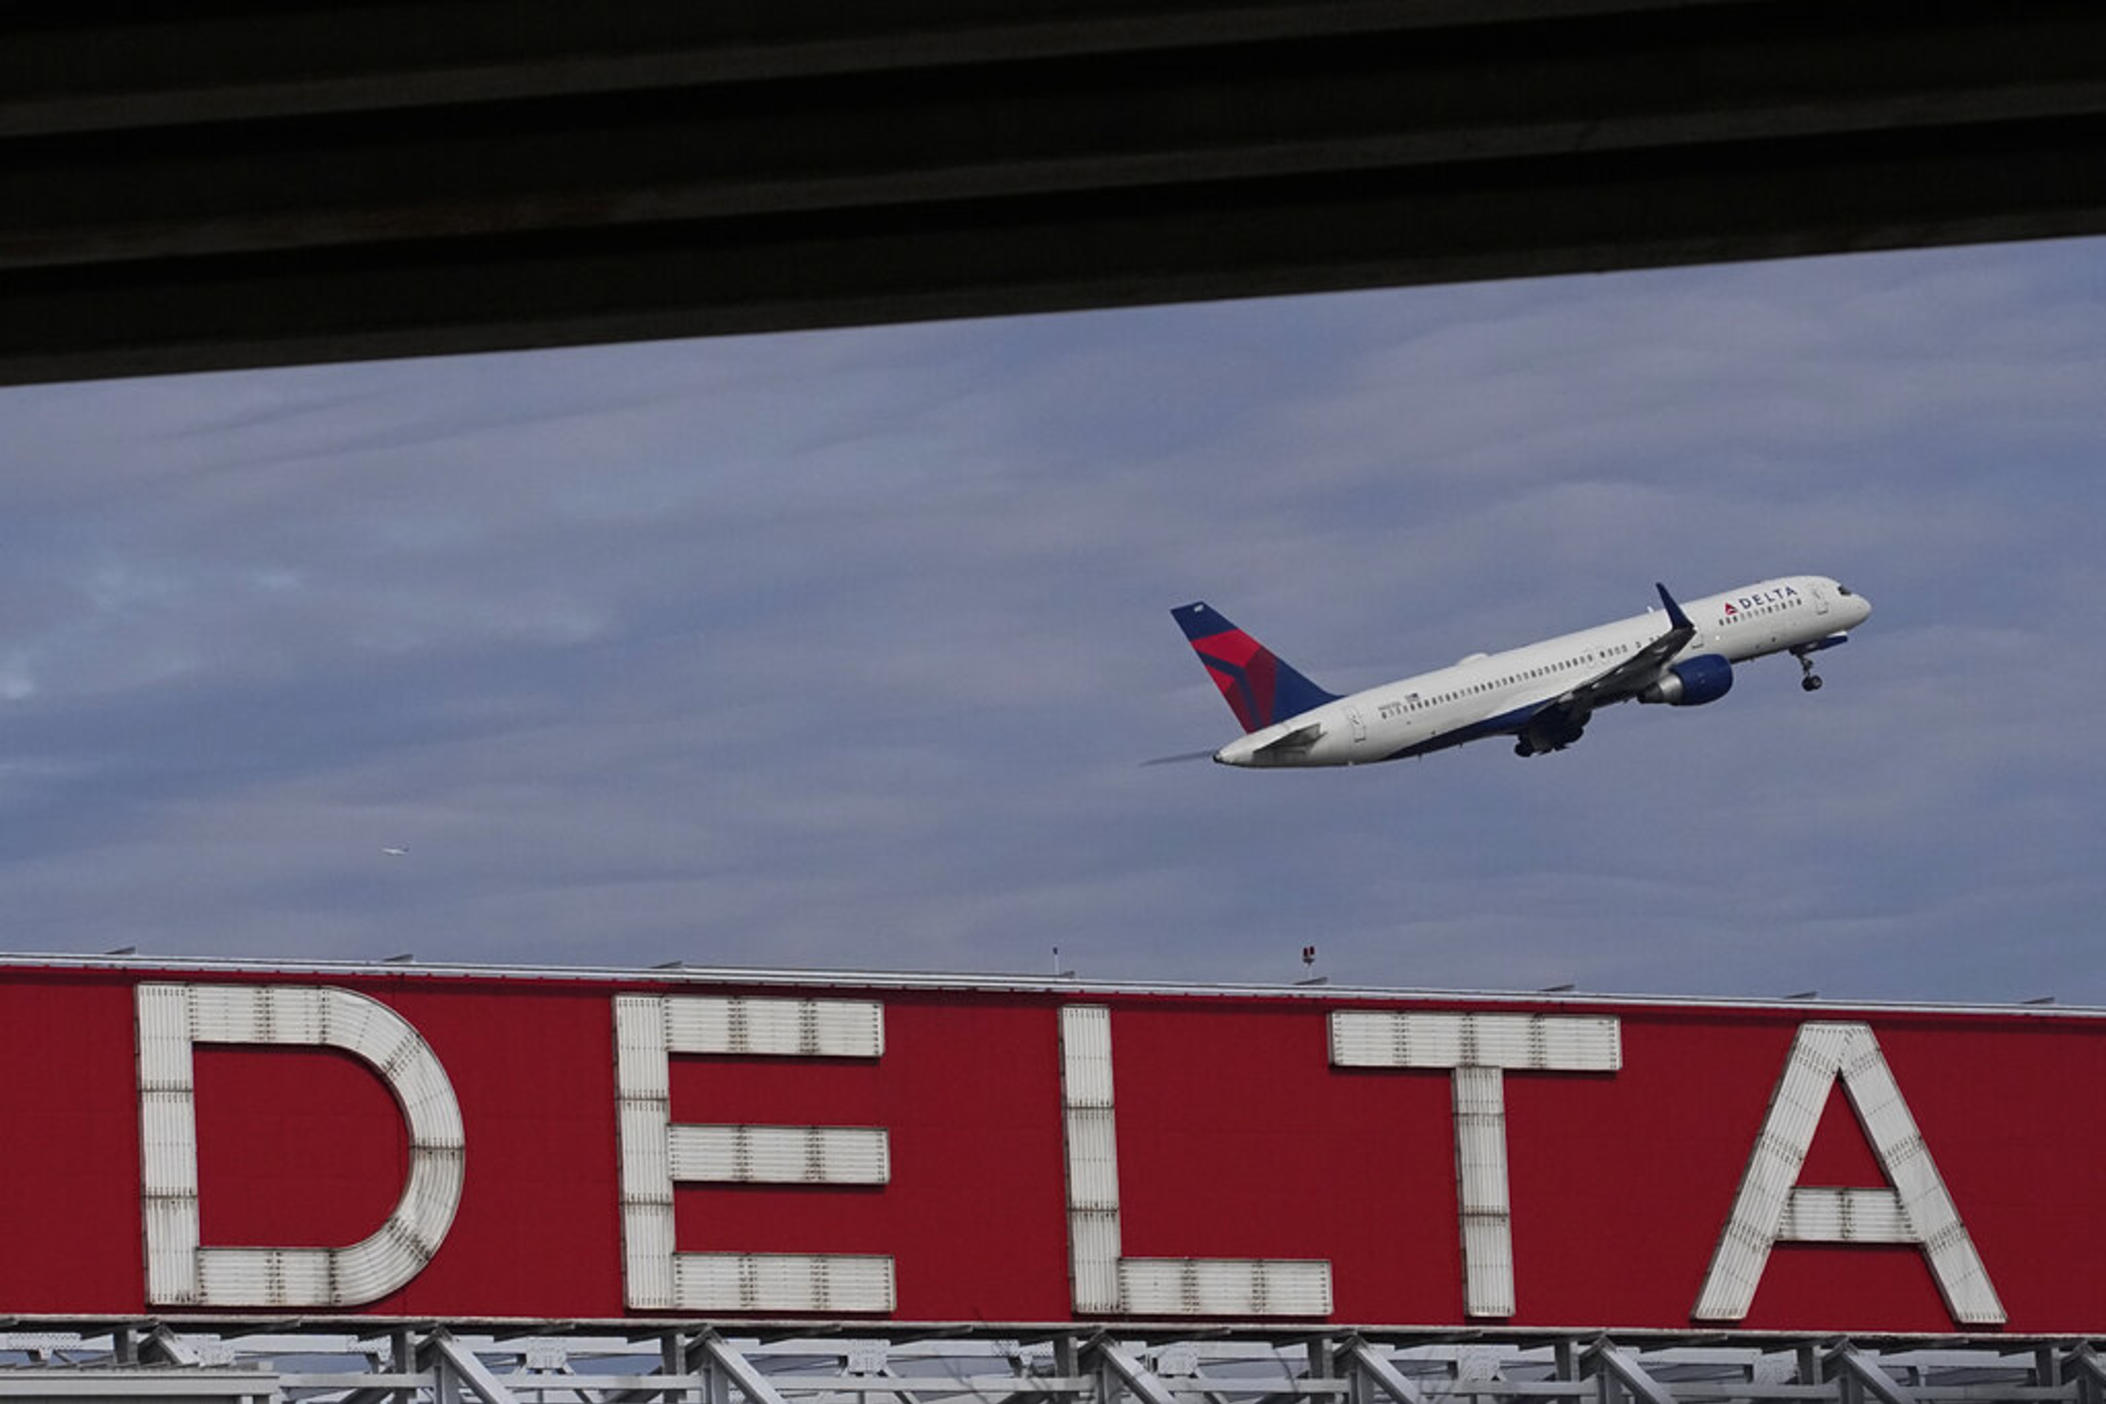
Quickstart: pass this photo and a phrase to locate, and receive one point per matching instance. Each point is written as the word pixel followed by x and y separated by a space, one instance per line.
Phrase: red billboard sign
pixel 480 1145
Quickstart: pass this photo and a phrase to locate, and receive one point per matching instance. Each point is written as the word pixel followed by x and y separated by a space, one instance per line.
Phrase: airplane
pixel 1541 694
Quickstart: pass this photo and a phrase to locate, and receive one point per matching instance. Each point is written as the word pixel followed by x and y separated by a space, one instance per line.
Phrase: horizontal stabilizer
pixel 1294 740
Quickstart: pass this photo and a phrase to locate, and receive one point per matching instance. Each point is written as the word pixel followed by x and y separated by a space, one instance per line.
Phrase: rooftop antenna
pixel 1309 959
pixel 1058 973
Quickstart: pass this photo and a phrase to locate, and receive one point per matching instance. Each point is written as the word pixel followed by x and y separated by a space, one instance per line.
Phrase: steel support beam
pixel 677 1355
pixel 2089 1372
pixel 454 1364
pixel 1850 1363
pixel 165 1345
pixel 1365 1359
pixel 741 1371
pixel 156 1383
pixel 1620 1365
pixel 672 1360
pixel 463 1364
pixel 1147 1386
pixel 903 1396
pixel 407 1356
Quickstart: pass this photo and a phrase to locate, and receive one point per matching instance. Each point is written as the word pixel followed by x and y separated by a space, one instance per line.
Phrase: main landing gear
pixel 1550 730
pixel 1809 680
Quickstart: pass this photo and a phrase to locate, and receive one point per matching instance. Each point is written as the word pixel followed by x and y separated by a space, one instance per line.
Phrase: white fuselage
pixel 1483 694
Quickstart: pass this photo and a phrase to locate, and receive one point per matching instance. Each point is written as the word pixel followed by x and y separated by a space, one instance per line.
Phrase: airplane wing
pixel 1639 669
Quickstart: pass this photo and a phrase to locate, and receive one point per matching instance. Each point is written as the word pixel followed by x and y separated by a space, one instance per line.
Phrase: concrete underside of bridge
pixel 267 183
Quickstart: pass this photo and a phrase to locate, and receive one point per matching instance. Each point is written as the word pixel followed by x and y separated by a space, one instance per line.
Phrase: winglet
pixel 1674 611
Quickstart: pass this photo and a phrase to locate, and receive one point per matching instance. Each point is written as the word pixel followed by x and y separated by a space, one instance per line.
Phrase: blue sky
pixel 842 649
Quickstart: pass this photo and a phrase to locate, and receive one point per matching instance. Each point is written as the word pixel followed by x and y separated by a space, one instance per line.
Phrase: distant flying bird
pixel 1542 694
pixel 395 852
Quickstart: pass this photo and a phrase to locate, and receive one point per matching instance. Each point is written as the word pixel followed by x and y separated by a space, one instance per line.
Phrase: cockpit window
pixel 1841 588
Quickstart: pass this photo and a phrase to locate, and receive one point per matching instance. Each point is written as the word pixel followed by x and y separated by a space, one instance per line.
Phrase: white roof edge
pixel 991 983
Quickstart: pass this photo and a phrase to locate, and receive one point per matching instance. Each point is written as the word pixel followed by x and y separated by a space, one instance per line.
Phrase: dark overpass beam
pixel 1031 255
pixel 467 184
pixel 1198 116
pixel 115 64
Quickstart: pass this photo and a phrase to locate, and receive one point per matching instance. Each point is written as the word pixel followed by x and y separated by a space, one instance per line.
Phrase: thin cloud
pixel 843 649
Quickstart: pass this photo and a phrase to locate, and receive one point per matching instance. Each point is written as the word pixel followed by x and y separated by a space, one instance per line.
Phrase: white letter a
pixel 1772 1209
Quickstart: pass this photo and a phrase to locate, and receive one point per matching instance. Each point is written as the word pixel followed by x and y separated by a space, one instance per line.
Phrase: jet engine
pixel 1692 682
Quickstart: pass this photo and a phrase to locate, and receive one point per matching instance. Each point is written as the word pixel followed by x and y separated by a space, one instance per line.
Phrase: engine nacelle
pixel 1692 682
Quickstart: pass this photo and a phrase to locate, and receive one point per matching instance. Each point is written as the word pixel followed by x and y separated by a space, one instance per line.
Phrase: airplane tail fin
pixel 1261 688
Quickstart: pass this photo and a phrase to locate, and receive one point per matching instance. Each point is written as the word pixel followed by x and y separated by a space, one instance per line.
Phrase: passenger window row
pixel 1420 704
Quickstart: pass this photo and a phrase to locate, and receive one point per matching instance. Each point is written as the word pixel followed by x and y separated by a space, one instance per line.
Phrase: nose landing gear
pixel 1809 681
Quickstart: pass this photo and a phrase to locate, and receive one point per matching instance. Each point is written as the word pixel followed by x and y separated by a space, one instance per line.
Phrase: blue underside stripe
pixel 1506 723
